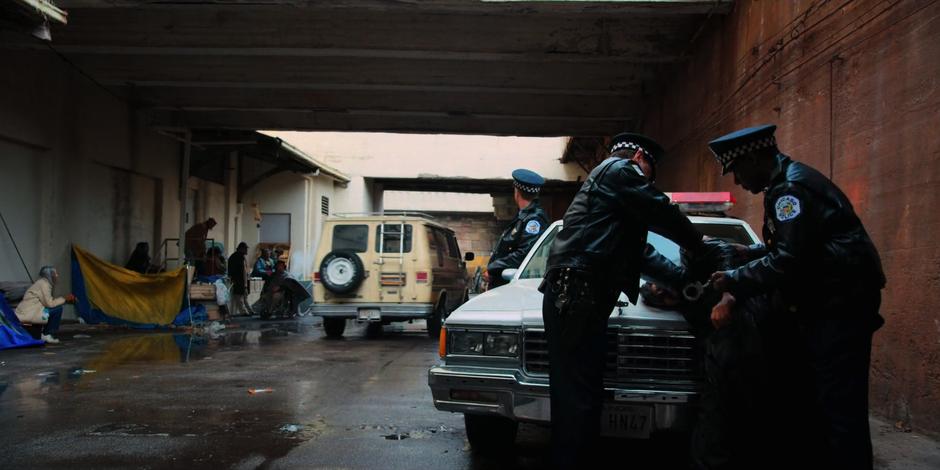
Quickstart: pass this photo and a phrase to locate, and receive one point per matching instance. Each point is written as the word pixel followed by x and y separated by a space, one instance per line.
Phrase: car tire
pixel 436 319
pixel 341 272
pixel 334 327
pixel 490 434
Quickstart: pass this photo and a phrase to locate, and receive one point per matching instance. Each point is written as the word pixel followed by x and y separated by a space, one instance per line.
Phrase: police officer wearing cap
pixel 524 230
pixel 822 270
pixel 600 252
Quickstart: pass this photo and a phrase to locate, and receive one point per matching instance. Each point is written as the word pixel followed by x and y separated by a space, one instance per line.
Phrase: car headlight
pixel 501 344
pixel 484 344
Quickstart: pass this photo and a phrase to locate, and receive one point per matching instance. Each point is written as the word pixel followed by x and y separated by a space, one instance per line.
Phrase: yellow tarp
pixel 128 295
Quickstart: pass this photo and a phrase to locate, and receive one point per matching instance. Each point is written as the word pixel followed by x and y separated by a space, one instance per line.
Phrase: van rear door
pixel 394 246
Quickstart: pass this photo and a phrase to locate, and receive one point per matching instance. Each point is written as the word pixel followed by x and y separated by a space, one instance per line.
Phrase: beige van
pixel 368 274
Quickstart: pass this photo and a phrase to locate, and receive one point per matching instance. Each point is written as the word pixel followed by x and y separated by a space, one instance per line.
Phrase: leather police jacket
pixel 516 240
pixel 817 251
pixel 605 227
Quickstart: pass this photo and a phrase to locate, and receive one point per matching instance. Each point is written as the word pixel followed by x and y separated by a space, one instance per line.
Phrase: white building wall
pixel 77 167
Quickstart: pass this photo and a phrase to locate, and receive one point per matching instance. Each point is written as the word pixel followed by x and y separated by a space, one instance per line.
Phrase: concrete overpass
pixel 482 67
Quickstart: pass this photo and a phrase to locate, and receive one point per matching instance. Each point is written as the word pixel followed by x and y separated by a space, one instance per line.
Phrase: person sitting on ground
pixel 264 266
pixel 276 299
pixel 140 259
pixel 39 307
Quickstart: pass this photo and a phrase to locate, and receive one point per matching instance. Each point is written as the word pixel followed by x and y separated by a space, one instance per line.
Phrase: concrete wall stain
pixel 853 87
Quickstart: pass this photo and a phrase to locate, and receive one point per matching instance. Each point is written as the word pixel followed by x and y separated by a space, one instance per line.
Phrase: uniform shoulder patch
pixel 787 208
pixel 533 227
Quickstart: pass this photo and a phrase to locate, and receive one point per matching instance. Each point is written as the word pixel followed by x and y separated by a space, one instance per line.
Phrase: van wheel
pixel 334 327
pixel 490 434
pixel 435 320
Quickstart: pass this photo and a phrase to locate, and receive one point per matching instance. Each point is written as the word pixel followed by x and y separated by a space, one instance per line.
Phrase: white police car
pixel 494 356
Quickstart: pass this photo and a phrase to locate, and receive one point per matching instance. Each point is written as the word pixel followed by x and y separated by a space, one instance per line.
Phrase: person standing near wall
pixel 237 273
pixel 195 245
pixel 40 307
pixel 823 271
pixel 516 241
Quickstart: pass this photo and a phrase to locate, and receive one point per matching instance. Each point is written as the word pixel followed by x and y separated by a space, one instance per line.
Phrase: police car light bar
pixel 703 202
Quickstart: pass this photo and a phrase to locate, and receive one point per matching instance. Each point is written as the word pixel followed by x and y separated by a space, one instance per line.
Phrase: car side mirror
pixel 508 274
pixel 468 256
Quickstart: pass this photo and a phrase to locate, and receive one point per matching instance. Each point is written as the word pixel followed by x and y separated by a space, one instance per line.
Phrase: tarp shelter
pixel 12 333
pixel 111 294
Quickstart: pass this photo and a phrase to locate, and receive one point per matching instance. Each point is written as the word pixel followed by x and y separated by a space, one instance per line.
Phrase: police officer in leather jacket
pixel 516 241
pixel 600 251
pixel 822 269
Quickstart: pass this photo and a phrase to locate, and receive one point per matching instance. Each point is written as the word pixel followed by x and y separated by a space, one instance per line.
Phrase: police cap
pixel 631 141
pixel 527 181
pixel 729 147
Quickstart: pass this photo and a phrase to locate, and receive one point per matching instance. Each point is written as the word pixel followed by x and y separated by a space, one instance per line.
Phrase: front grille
pixel 633 354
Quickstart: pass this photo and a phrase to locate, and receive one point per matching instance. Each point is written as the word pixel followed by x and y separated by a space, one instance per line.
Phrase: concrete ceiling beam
pixel 284 70
pixel 640 38
pixel 410 123
pixel 637 7
pixel 543 104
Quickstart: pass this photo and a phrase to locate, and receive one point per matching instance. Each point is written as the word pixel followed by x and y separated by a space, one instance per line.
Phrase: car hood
pixel 519 303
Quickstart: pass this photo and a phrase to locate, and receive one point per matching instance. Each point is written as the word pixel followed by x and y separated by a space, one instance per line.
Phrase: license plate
pixel 370 314
pixel 627 421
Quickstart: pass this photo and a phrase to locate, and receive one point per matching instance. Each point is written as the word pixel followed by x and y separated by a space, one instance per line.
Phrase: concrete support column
pixel 184 190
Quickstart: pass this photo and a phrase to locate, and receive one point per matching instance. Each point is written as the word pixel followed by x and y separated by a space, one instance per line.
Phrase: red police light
pixel 703 202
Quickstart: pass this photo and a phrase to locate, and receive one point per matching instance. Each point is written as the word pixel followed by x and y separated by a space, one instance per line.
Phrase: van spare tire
pixel 341 272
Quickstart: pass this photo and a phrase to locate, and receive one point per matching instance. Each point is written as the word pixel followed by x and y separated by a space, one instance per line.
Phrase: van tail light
pixel 421 276
pixel 392 279
pixel 442 345
pixel 316 276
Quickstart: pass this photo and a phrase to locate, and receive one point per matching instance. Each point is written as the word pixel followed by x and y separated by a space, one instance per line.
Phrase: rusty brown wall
pixel 854 87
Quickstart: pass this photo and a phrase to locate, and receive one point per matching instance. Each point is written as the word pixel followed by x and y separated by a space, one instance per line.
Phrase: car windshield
pixel 735 233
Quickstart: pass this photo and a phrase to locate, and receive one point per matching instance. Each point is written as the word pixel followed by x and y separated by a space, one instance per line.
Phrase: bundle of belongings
pixel 12 333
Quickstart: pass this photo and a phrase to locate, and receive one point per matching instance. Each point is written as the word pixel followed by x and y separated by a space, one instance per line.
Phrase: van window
pixel 354 238
pixel 436 245
pixel 392 241
pixel 452 246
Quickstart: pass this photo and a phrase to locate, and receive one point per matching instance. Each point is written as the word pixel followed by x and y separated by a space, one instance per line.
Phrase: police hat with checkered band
pixel 634 142
pixel 527 181
pixel 739 143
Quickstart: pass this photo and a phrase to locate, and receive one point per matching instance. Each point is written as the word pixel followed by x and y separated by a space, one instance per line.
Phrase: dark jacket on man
pixel 236 272
pixel 605 227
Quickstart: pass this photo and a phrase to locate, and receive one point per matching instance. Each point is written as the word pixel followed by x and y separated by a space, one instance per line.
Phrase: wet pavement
pixel 124 399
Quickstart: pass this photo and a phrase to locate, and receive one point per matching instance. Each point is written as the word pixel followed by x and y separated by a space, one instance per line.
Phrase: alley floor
pixel 123 399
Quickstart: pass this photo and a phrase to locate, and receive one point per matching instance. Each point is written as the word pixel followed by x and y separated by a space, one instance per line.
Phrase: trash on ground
pixel 78 372
pixel 253 391
pixel 397 437
pixel 291 428
pixel 46 374
pixel 81 336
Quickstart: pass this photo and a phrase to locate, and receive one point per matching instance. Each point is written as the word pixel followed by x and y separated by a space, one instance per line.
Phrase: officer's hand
pixel 486 276
pixel 721 313
pixel 720 281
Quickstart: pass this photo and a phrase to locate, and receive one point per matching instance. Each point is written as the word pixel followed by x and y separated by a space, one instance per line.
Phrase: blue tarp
pixel 94 316
pixel 12 333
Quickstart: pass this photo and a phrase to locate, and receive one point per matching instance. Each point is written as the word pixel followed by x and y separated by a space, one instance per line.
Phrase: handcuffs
pixel 695 290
